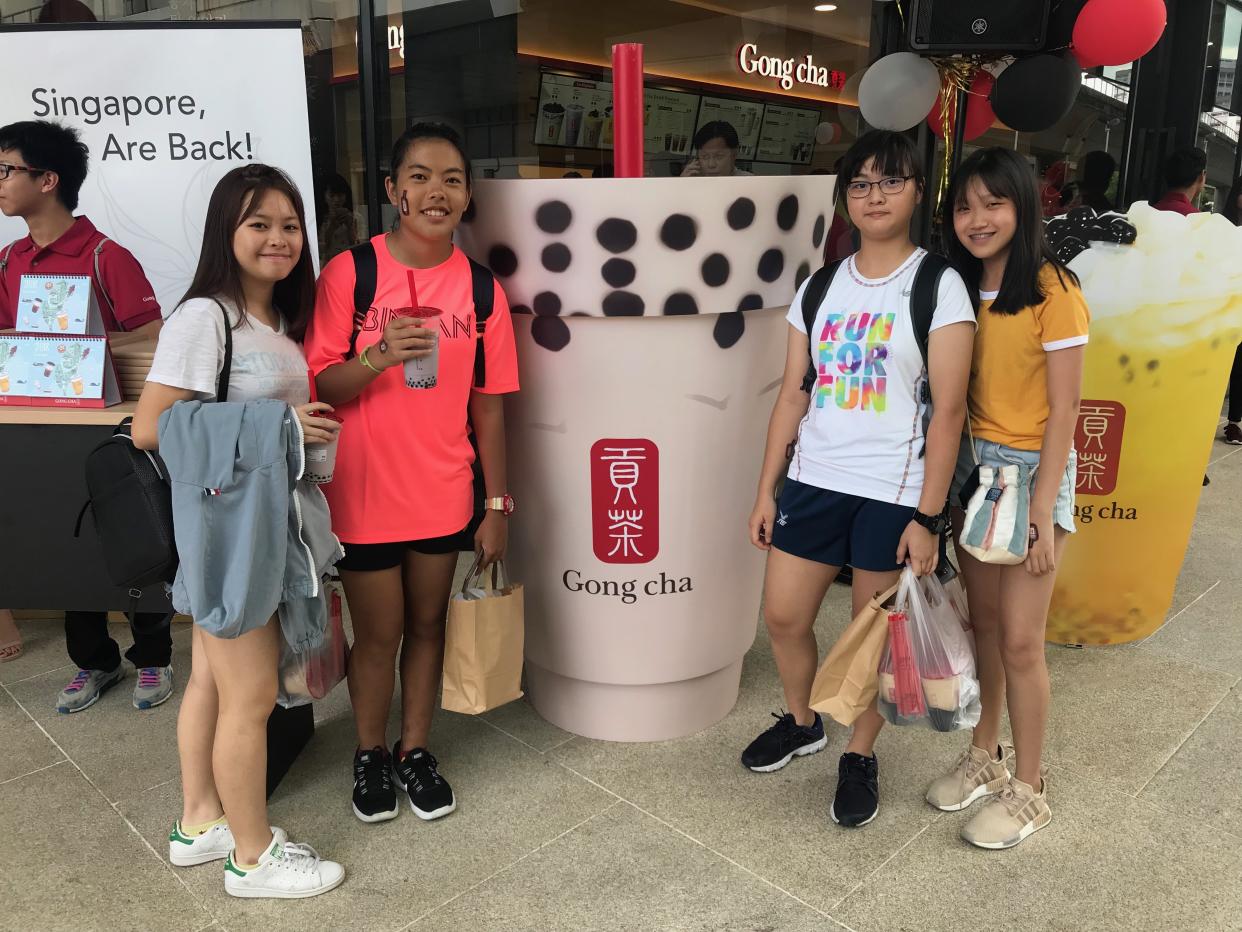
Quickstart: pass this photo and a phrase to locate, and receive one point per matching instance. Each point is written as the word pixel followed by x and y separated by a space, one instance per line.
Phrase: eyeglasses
pixel 860 189
pixel 6 169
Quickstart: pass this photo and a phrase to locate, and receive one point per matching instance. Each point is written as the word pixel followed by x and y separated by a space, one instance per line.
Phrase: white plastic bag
pixel 308 675
pixel 927 673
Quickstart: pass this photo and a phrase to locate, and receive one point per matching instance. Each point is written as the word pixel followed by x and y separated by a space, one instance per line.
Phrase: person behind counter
pixel 715 146
pixel 42 168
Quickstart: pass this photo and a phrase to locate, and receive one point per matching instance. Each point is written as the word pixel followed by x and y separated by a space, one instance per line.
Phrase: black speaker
pixel 960 26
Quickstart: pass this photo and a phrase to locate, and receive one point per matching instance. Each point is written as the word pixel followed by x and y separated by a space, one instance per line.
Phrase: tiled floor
pixel 562 833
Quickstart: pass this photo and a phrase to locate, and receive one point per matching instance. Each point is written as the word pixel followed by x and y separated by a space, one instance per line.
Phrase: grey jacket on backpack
pixel 253 537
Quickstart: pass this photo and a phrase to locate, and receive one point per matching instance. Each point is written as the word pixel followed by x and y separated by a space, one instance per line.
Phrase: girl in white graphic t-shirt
pixel 867 485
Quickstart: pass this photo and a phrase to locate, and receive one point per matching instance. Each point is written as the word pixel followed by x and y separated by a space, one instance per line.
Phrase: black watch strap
pixel 937 524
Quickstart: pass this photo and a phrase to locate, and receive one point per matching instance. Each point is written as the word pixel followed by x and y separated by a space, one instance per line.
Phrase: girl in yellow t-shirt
pixel 1026 379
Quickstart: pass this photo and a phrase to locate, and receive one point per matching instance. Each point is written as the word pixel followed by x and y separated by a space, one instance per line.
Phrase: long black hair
pixel 1231 212
pixel 237 196
pixel 891 154
pixel 1004 174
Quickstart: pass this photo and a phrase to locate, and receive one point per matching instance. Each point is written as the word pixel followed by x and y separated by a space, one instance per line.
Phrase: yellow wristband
pixel 362 358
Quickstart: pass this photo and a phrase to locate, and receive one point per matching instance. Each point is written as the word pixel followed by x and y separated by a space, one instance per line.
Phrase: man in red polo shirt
pixel 1185 174
pixel 42 167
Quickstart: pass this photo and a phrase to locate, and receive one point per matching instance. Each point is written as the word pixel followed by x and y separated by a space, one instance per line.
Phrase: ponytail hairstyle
pixel 1004 174
pixel 236 198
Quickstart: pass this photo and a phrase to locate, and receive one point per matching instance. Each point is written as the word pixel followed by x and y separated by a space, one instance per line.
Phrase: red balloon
pixel 979 115
pixel 1116 32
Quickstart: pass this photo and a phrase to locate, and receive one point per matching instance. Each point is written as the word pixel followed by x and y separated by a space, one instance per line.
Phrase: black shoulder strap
pixel 923 295
pixel 483 289
pixel 4 260
pixel 812 298
pixel 366 280
pixel 226 370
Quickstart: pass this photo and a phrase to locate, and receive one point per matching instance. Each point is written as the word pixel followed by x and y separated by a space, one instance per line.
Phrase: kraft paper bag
pixel 483 644
pixel 847 682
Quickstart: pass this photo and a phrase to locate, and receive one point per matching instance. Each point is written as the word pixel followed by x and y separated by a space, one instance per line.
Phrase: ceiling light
pixel 825 7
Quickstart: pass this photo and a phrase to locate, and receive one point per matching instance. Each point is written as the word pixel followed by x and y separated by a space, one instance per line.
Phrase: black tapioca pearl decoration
pixel 547 304
pixel 618 273
pixel 616 235
pixel 817 234
pixel 715 270
pixel 556 257
pixel 787 212
pixel 679 232
pixel 1153 365
pixel 1124 232
pixel 741 213
pixel 729 329
pixel 771 264
pixel 680 303
pixel 520 309
pixel 803 273
pixel 553 217
pixel 551 333
pixel 502 260
pixel 752 302
pixel 1069 248
pixel 1124 359
pixel 1081 215
pixel 623 304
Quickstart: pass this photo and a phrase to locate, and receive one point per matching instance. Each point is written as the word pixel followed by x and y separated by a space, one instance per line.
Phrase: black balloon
pixel 1037 92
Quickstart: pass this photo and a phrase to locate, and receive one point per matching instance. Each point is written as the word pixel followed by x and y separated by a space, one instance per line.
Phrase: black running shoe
pixel 858 791
pixel 430 795
pixel 784 741
pixel 375 800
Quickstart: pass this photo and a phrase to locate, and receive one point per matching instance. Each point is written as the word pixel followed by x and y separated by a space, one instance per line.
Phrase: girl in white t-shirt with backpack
pixel 867 483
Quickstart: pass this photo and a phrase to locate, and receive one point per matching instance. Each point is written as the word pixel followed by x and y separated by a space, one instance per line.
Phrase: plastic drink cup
pixel 573 123
pixel 77 385
pixel 591 127
pixel 62 320
pixel 4 383
pixel 321 457
pixel 422 373
pixel 553 118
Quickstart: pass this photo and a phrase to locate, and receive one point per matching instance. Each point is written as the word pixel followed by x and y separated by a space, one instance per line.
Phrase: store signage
pixel 788 71
pixel 625 500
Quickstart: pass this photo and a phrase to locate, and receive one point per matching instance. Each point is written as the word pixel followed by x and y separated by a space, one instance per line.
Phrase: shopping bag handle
pixel 881 597
pixel 476 572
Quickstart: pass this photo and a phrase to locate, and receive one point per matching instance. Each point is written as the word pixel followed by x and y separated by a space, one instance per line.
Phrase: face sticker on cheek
pixel 405 204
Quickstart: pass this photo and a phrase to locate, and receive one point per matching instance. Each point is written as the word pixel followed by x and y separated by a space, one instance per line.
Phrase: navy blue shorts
pixel 839 529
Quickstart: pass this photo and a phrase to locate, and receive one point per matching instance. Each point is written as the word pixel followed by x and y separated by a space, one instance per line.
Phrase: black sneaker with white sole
pixel 430 795
pixel 784 741
pixel 375 799
pixel 858 791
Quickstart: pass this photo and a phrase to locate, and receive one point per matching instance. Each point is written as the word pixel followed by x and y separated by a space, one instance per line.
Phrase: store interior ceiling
pixel 849 22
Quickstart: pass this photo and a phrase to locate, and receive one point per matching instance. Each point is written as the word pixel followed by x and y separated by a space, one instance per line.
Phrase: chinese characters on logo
pixel 625 500
pixel 1098 441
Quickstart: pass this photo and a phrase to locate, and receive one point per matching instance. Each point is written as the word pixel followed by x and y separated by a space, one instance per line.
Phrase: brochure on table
pixel 743 115
pixel 577 113
pixel 58 356
pixel 788 135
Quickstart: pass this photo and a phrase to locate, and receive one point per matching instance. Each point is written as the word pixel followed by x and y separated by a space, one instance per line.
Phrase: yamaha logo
pixel 979 26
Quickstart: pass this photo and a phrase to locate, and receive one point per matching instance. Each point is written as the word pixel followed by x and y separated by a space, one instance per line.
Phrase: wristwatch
pixel 935 524
pixel 505 505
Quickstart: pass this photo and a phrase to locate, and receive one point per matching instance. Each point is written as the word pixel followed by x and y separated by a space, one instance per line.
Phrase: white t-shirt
pixel 864 429
pixel 190 354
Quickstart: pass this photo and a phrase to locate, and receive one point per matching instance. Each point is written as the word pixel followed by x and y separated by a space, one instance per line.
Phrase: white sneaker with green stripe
pixel 187 850
pixel 285 871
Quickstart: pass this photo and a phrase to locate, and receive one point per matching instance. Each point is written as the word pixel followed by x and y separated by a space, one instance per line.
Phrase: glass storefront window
pixel 1220 122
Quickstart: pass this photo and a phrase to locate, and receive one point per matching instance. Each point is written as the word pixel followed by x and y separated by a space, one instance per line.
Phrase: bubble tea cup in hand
pixel 321 457
pixel 421 373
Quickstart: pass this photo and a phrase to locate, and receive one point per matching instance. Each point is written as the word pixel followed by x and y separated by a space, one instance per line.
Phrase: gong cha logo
pixel 625 501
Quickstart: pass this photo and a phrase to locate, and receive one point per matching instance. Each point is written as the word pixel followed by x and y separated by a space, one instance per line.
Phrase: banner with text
pixel 166 109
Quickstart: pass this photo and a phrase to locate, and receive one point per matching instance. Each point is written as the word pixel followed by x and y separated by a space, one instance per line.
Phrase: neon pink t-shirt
pixel 403 468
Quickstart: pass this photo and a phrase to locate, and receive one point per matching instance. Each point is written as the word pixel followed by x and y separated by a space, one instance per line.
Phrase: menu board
pixel 788 134
pixel 577 113
pixel 574 112
pixel 669 123
pixel 743 115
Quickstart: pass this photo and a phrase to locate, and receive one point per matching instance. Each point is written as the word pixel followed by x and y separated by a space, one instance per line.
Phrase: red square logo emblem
pixel 1101 425
pixel 625 501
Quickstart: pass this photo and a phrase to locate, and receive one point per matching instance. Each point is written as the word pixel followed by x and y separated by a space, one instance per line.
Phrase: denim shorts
pixel 997 455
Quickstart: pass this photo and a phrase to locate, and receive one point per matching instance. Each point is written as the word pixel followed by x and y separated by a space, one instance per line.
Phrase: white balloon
pixel 849 91
pixel 898 91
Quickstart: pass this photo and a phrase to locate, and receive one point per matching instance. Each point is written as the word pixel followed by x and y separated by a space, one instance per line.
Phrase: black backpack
pixel 130 500
pixel 482 287
pixel 923 296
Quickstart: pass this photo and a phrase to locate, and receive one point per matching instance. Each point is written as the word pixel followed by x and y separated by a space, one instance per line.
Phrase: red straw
pixel 628 111
pixel 314 393
pixel 409 277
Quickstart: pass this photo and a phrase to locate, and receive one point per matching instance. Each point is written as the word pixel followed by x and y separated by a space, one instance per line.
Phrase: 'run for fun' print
pixel 853 349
